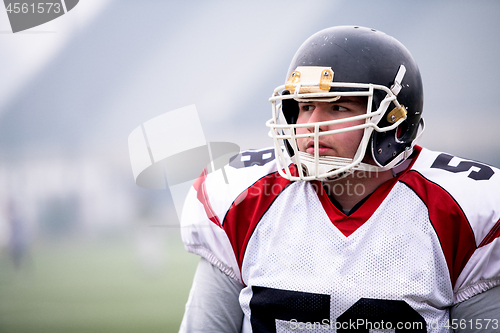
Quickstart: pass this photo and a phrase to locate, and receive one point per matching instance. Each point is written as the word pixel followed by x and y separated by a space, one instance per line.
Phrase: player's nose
pixel 319 114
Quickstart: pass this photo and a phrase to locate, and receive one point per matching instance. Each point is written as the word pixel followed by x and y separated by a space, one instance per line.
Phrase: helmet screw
pixel 394 153
pixel 325 73
pixel 379 150
pixel 393 118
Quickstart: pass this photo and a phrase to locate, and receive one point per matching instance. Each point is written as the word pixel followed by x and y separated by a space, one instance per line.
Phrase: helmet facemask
pixel 312 83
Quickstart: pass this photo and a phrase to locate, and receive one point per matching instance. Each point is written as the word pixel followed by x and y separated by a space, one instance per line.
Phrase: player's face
pixel 341 144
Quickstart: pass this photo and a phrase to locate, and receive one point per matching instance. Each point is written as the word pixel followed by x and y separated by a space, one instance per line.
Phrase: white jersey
pixel 423 241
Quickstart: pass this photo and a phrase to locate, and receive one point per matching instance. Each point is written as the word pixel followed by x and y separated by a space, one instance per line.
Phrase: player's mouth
pixel 323 149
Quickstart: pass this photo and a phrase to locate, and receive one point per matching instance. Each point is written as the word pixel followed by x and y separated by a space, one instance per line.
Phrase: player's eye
pixel 307 107
pixel 339 108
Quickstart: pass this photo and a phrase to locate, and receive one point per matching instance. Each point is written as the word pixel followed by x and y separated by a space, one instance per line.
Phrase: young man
pixel 347 224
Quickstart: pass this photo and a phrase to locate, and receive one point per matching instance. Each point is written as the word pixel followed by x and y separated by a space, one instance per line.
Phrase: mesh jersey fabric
pixel 419 244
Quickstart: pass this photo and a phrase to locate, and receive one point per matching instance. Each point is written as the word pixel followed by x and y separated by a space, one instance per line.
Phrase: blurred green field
pixel 94 286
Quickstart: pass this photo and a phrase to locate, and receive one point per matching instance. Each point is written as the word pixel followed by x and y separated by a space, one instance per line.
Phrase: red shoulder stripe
pixel 449 221
pixel 199 186
pixel 248 209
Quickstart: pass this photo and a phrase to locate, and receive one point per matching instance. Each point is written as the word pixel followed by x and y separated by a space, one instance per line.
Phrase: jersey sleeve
pixel 213 304
pixel 201 225
pixel 480 313
pixel 472 190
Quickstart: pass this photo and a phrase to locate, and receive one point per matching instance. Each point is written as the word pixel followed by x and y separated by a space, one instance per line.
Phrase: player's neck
pixel 350 190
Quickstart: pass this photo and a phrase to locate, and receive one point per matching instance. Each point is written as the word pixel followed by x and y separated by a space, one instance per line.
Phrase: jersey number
pixel 268 304
pixel 251 158
pixel 484 172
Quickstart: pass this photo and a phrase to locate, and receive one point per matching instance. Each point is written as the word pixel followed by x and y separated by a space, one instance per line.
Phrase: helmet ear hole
pixel 289 148
pixel 401 130
pixel 290 110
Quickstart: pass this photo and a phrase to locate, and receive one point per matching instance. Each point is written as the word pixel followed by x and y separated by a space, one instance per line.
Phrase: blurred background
pixel 82 248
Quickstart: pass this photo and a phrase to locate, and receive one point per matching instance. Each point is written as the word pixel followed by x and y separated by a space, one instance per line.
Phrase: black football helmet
pixel 350 61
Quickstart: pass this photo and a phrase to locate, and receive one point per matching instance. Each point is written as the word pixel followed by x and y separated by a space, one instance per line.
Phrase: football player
pixel 346 224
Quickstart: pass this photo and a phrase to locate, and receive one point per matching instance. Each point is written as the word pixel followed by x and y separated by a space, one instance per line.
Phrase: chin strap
pixel 327 164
